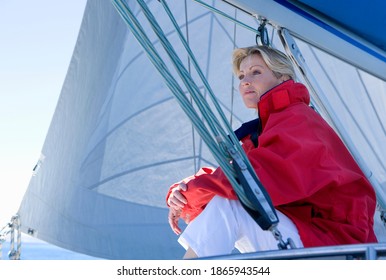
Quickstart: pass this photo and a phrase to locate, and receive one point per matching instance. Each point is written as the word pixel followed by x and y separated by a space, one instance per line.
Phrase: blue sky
pixel 37 39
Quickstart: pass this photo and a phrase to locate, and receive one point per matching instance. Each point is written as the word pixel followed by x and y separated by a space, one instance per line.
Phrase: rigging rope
pixel 196 159
pixel 213 9
pixel 221 141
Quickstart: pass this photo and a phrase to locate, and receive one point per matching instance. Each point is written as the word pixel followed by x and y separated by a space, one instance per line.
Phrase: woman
pixel 321 195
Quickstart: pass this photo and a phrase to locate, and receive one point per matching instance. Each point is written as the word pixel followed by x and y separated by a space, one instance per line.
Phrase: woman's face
pixel 255 79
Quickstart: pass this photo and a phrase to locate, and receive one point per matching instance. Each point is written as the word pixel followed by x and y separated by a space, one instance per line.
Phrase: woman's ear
pixel 284 78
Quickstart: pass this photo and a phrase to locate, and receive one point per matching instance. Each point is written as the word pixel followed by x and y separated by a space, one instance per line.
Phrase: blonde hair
pixel 277 61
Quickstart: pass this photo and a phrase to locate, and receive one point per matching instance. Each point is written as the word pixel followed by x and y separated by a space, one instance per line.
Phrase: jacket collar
pixel 280 97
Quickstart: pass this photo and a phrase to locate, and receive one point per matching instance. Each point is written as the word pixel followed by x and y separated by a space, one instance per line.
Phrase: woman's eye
pixel 241 77
pixel 256 72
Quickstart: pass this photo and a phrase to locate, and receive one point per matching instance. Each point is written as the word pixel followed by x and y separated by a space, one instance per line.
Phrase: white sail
pixel 118 138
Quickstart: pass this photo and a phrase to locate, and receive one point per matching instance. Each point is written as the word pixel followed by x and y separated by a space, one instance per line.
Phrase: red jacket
pixel 306 169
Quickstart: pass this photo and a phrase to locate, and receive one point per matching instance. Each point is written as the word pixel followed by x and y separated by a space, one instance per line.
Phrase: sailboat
pixel 119 138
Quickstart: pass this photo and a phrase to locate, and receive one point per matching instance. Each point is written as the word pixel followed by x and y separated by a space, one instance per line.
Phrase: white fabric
pixel 224 225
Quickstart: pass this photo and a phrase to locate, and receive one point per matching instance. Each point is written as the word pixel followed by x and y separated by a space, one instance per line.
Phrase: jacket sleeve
pixel 201 188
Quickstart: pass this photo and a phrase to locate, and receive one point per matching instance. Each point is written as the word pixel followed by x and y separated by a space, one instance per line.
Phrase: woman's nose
pixel 245 82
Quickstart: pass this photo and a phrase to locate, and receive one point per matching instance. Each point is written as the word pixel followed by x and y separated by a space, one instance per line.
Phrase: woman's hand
pixel 176 202
pixel 174 216
pixel 176 199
